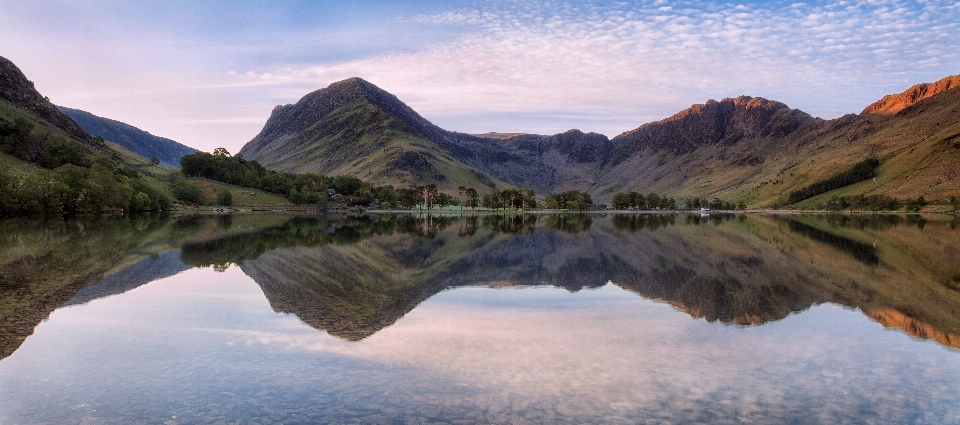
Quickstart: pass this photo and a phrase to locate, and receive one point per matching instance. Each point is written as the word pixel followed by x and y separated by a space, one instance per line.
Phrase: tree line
pixel 67 176
pixel 861 171
pixel 46 149
pixel 654 201
pixel 307 188
pixel 877 203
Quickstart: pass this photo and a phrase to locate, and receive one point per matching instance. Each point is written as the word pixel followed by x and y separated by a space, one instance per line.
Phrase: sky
pixel 208 73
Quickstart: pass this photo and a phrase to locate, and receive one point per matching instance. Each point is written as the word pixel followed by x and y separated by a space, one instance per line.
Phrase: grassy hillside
pixel 53 166
pixel 167 152
pixel 362 140
pixel 919 150
pixel 243 197
pixel 748 150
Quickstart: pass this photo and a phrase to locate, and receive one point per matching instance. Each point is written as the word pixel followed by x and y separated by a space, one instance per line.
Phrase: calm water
pixel 264 319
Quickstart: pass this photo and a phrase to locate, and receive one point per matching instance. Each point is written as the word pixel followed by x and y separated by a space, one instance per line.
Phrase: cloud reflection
pixel 606 350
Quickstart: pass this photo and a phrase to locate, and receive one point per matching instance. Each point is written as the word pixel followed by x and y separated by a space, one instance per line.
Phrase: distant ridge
pixel 140 142
pixel 744 149
pixel 894 103
pixel 725 122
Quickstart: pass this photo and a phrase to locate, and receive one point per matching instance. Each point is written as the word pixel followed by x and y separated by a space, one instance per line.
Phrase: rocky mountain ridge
pixel 736 148
pixel 894 103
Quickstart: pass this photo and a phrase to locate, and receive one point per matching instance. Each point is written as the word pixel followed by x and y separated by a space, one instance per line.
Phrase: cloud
pixel 600 349
pixel 645 61
pixel 539 67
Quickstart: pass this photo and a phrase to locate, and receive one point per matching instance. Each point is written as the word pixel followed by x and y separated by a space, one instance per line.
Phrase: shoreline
pixel 347 211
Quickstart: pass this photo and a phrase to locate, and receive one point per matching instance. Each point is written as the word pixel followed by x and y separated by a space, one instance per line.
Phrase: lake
pixel 534 318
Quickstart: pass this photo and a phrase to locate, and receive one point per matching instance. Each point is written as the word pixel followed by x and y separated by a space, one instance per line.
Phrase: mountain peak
pixel 354 82
pixel 17 90
pixel 290 119
pixel 740 103
pixel 894 103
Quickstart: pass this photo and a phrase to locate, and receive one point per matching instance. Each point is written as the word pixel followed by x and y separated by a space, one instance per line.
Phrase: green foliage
pixel 473 198
pixel 575 223
pixel 719 204
pixel 186 191
pixel 551 203
pixel 73 189
pixel 491 200
pixel 636 222
pixel 348 185
pixel 863 202
pixel 522 199
pixel 224 198
pixel 637 201
pixel 621 201
pixel 238 171
pixel 571 200
pixel 861 171
pixel 48 149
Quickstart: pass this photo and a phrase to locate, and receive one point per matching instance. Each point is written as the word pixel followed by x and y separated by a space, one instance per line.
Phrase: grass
pixel 243 198
pixel 361 140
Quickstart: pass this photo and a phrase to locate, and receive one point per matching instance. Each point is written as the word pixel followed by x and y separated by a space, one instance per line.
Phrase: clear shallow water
pixel 396 327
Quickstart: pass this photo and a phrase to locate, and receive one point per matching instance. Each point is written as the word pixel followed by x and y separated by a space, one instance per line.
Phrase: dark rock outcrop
pixel 18 91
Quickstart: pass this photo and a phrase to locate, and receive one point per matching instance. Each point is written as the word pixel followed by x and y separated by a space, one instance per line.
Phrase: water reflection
pixel 173 320
pixel 353 276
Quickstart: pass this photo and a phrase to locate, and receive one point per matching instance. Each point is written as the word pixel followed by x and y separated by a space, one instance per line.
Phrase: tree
pixel 637 201
pixel 460 191
pixel 224 197
pixel 492 199
pixel 322 199
pixel 186 191
pixel 670 204
pixel 551 203
pixel 472 198
pixel 653 201
pixel 429 195
pixel 716 204
pixel 347 185
pixel 220 152
pixel 621 201
pixel 154 160
pixel 506 198
pixel 529 199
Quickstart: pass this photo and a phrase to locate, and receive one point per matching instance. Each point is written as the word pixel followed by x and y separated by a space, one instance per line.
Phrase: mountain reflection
pixel 356 276
pixel 352 276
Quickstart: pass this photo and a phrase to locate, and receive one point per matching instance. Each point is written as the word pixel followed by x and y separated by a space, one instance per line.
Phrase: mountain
pixel 153 268
pixel 18 92
pixel 138 141
pixel 745 149
pixel 353 278
pixel 49 165
pixel 354 127
pixel 894 103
